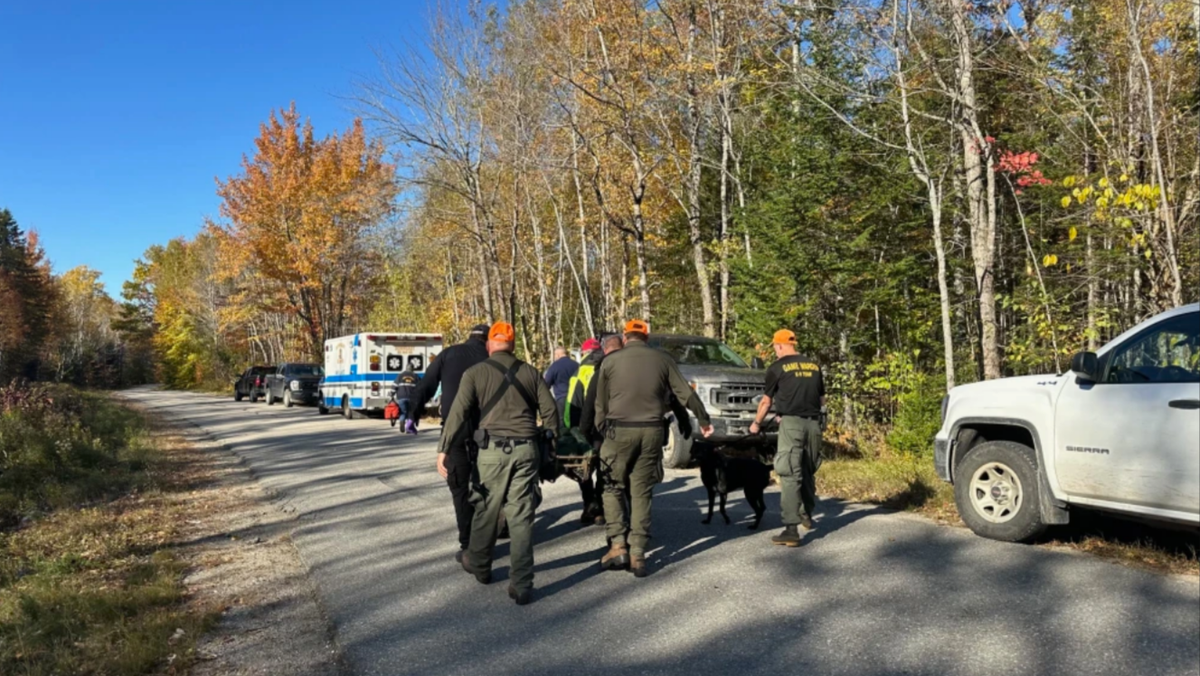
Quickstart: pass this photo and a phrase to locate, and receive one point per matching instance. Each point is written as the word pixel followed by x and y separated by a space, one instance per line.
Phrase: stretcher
pixel 575 456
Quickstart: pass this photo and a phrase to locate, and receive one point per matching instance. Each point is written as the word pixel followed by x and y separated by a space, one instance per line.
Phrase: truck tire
pixel 237 396
pixel 347 412
pixel 322 409
pixel 270 397
pixel 287 398
pixel 253 397
pixel 677 454
pixel 996 489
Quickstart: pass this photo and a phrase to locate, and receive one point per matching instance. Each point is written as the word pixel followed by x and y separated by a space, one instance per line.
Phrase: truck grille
pixel 738 396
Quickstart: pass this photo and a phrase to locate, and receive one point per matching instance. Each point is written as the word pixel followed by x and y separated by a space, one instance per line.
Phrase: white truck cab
pixel 1119 431
pixel 360 368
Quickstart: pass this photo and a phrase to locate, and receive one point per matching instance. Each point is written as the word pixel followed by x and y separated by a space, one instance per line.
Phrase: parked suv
pixel 252 383
pixel 294 384
pixel 1119 431
pixel 725 383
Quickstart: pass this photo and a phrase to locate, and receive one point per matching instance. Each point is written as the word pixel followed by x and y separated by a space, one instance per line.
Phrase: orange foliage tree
pixel 297 225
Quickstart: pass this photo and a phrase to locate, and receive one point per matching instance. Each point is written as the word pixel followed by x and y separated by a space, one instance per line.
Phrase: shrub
pixel 60 446
pixel 918 414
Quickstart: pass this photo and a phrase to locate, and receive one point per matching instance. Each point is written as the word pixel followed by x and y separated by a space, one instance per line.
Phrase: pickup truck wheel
pixel 996 489
pixel 237 396
pixel 287 398
pixel 677 454
pixel 253 398
pixel 270 398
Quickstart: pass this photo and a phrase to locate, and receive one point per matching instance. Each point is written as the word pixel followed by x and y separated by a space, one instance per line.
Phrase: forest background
pixel 929 192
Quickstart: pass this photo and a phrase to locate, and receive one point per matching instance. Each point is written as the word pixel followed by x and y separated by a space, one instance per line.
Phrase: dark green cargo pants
pixel 631 463
pixel 508 479
pixel 797 458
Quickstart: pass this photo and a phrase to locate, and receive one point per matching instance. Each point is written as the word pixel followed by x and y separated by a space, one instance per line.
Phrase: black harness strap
pixel 510 380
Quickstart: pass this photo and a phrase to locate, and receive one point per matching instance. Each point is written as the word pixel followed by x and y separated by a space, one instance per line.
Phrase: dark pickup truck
pixel 252 383
pixel 294 384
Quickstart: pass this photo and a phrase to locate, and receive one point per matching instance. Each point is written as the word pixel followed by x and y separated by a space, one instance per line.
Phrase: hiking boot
pixel 600 520
pixel 788 538
pixel 616 558
pixel 458 556
pixel 523 598
pixel 637 565
pixel 807 522
pixel 482 577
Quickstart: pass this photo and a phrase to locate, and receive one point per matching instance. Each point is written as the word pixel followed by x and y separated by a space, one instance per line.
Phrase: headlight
pixel 294 386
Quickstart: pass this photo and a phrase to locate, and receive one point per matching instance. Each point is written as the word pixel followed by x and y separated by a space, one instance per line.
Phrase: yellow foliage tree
pixel 298 217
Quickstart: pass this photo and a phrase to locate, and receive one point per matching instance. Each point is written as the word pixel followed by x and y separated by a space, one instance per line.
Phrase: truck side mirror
pixel 1086 366
pixel 756 362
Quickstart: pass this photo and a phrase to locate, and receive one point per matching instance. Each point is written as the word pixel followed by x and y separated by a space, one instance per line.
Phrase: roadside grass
pixel 89 580
pixel 864 468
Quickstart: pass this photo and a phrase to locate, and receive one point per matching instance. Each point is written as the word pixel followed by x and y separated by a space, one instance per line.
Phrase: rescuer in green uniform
pixel 633 391
pixel 501 399
pixel 797 389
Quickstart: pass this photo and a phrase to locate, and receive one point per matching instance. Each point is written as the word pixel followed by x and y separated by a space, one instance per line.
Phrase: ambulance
pixel 359 369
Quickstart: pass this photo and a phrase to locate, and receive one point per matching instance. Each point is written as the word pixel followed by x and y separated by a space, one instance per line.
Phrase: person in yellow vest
pixel 579 414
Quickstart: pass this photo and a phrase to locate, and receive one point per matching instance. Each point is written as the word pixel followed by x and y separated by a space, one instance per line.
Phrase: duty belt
pixel 623 423
pixel 815 418
pixel 509 441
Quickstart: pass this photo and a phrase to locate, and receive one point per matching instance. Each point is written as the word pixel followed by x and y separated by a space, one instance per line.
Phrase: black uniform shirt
pixel 447 370
pixel 795 386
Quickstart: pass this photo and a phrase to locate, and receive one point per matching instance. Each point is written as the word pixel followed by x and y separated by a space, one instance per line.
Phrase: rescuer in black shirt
pixel 447 370
pixel 796 387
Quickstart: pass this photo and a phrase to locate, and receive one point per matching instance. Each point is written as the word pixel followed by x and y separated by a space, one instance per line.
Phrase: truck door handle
pixel 1185 404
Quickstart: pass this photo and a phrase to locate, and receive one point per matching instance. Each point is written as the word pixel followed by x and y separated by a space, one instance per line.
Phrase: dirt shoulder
pixel 241 561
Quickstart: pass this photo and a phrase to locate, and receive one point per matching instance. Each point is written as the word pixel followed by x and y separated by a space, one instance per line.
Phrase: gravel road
pixel 871 592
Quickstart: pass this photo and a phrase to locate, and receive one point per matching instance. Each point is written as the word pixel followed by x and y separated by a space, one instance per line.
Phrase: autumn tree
pixel 296 220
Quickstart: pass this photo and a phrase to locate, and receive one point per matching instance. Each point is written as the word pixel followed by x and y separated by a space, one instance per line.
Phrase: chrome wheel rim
pixel 996 492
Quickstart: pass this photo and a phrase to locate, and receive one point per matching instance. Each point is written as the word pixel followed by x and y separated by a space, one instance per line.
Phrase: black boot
pixel 788 538
pixel 523 598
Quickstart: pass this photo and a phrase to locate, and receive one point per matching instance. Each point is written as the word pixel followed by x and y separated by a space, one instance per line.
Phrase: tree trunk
pixel 693 182
pixel 981 197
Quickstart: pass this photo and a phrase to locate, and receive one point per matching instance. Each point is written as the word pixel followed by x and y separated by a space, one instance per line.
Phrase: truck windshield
pixel 302 370
pixel 698 351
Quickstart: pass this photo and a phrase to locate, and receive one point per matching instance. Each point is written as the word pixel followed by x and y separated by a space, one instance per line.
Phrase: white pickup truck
pixel 1118 432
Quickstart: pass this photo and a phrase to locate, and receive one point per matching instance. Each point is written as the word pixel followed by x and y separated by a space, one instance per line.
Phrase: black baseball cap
pixel 480 330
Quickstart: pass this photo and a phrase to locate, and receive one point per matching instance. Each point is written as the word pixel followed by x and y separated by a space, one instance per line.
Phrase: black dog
pixel 722 476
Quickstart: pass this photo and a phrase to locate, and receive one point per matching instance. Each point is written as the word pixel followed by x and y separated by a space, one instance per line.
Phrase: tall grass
pixel 89 580
pixel 60 446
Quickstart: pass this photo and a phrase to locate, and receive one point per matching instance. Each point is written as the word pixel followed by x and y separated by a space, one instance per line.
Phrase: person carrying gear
pixel 580 420
pixel 796 387
pixel 502 400
pixel 445 373
pixel 403 390
pixel 633 390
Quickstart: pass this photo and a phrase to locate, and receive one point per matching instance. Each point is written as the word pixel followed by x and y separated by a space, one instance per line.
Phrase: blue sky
pixel 116 115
